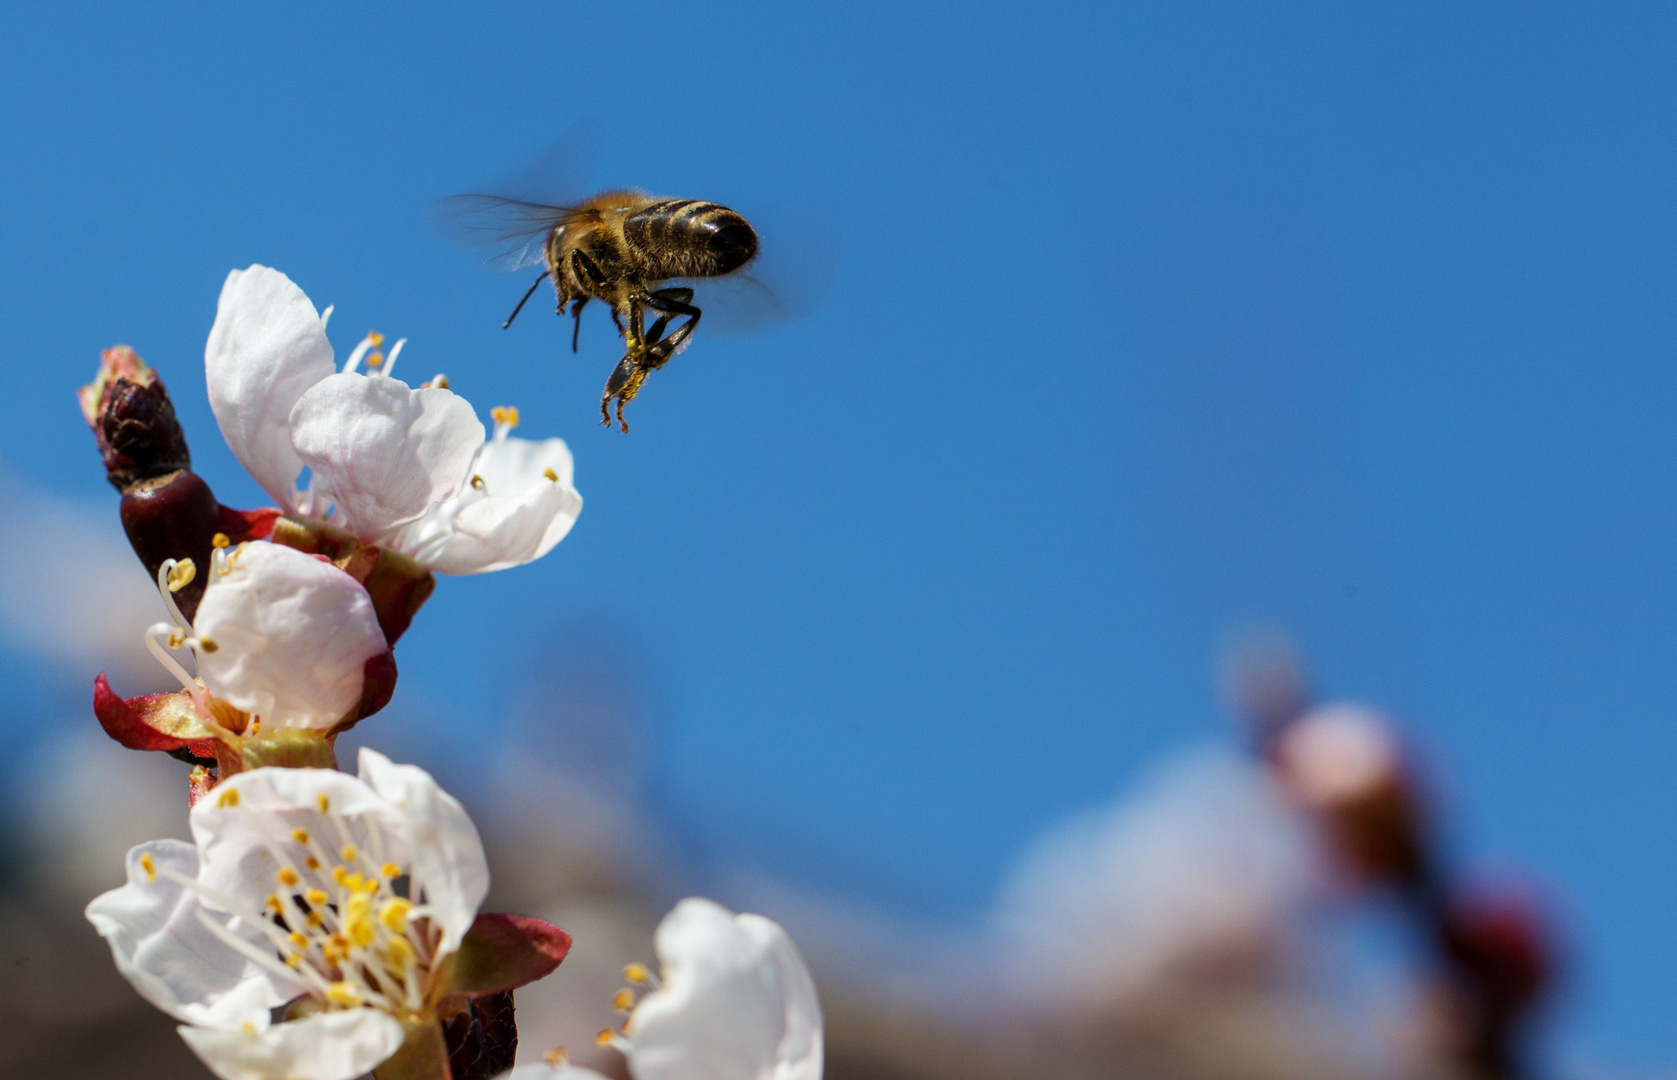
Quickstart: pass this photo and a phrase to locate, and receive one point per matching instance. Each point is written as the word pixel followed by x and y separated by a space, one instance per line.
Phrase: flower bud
pixel 1344 763
pixel 133 420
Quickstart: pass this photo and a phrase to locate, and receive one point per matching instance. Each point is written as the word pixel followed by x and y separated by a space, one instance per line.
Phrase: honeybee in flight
pixel 622 248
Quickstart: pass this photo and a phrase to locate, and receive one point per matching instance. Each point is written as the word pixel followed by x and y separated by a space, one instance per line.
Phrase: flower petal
pixel 266 348
pixel 737 1002
pixel 541 1071
pixel 330 1046
pixel 236 836
pixel 175 963
pixel 524 506
pixel 292 634
pixel 383 452
pixel 448 861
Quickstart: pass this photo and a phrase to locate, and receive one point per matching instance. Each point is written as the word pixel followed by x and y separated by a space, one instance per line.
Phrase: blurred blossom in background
pixel 1144 326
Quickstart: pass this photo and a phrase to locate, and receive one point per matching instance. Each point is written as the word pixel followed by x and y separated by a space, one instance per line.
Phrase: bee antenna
pixel 531 291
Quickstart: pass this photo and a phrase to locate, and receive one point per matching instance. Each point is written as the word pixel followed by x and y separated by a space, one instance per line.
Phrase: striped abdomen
pixel 689 238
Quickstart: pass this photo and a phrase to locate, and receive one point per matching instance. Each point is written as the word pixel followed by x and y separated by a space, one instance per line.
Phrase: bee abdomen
pixel 689 238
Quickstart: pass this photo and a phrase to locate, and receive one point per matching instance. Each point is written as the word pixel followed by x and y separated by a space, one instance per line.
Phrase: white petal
pixel 737 1002
pixel 291 633
pixel 448 861
pixel 236 842
pixel 384 452
pixel 331 1046
pixel 517 515
pixel 267 346
pixel 161 947
pixel 541 1071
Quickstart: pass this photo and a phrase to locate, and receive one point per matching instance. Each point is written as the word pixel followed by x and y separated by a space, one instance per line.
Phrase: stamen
pixel 220 540
pixel 439 381
pixel 372 340
pixel 477 482
pixel 395 351
pixel 390 870
pixel 300 835
pixel 555 1056
pixel 149 865
pixel 287 877
pixel 229 799
pixel 323 802
pixel 181 574
pixel 623 1000
pixel 350 852
pixel 326 315
pixel 505 414
pixel 374 359
pixel 207 644
pixel 394 915
pixel 641 976
pixel 343 994
pixel 317 897
pixel 164 573
pixel 550 474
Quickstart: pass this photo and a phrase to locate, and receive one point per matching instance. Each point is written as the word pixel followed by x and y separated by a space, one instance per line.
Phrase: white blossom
pixel 409 469
pixel 348 892
pixel 735 1002
pixel 278 634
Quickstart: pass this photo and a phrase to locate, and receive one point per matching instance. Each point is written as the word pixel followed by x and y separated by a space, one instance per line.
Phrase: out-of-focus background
pixel 1144 329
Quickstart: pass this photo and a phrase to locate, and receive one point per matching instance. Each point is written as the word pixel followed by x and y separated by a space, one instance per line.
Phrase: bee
pixel 622 248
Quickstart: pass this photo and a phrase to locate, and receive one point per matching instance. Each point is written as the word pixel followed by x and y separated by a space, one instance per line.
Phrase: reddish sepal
pixel 154 722
pixel 503 952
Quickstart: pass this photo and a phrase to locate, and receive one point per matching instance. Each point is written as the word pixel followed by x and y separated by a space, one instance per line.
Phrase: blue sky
pixel 1149 324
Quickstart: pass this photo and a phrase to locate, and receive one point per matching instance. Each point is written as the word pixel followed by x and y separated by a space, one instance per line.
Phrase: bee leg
pixel 674 303
pixel 624 384
pixel 576 313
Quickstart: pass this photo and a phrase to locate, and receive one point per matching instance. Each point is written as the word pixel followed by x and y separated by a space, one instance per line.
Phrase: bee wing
pixel 509 232
pixel 509 216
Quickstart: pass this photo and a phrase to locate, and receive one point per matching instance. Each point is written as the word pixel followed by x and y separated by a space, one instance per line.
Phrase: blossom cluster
pixel 322 925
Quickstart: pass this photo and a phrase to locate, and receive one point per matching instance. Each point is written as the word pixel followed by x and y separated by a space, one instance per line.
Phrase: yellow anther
pixel 317 897
pixel 220 540
pixel 375 358
pixel 228 798
pixel 358 919
pixel 394 915
pixel 332 953
pixel 177 638
pixel 399 955
pixel 208 644
pixel 623 1000
pixel 349 852
pixel 505 414
pixel 550 474
pixel 181 575
pixel 272 902
pixel 637 974
pixel 343 994
pixel 390 870
pixel 604 1037
pixel 149 865
pixel 555 1056
pixel 374 338
pixel 369 886
pixel 353 882
pixel 248 1028
pixel 312 863
pixel 292 960
pixel 340 942
pixel 300 835
pixel 313 919
pixel 340 875
pixel 298 940
pixel 286 876
pixel 438 383
pixel 628 1025
pixel 477 482
pixel 323 802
